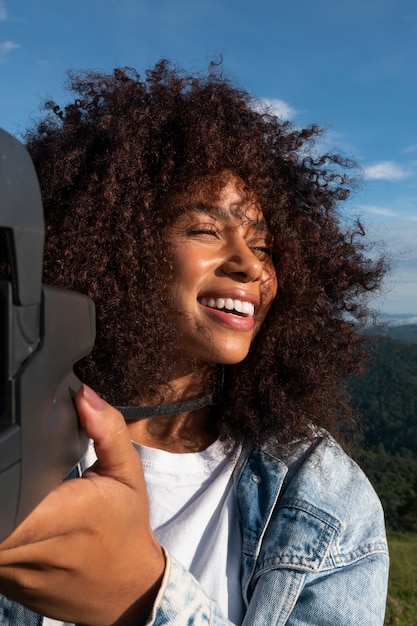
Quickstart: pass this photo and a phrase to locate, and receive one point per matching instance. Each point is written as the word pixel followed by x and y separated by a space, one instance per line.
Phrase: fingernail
pixel 92 398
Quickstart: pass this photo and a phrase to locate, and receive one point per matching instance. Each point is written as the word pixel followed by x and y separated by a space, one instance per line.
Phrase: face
pixel 223 279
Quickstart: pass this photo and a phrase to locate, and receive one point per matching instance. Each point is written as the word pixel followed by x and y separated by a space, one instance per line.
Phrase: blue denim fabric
pixel 16 615
pixel 314 546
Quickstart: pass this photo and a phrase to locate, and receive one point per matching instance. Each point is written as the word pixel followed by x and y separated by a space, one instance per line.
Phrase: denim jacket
pixel 314 547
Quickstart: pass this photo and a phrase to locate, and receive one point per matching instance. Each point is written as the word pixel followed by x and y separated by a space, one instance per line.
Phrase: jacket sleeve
pixel 181 600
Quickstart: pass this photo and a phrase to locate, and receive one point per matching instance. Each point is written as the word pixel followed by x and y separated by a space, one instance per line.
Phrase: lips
pixel 234 305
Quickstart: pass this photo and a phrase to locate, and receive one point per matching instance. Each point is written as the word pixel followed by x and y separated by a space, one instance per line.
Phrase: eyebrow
pixel 220 213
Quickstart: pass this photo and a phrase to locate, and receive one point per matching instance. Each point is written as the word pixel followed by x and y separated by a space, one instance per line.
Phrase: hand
pixel 87 553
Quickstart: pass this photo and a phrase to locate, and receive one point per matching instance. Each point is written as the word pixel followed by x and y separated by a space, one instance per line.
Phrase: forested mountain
pixel 386 400
pixel 406 333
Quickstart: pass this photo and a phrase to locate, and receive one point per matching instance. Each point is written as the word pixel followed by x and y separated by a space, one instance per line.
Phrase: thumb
pixel 107 427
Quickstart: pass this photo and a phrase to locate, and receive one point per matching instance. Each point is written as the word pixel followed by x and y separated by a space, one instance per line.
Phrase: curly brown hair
pixel 110 164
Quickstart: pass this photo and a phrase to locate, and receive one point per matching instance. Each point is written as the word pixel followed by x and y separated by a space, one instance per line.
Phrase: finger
pixel 106 426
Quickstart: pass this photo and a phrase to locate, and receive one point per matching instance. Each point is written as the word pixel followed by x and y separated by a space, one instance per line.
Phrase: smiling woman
pixel 229 304
pixel 223 278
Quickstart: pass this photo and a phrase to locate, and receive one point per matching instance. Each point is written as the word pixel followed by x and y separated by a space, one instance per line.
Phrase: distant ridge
pixel 401 330
pixel 400 319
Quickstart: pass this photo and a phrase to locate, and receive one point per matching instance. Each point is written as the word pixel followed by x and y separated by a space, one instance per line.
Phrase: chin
pixel 231 358
pixel 218 350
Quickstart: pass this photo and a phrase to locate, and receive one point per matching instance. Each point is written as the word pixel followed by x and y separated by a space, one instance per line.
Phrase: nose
pixel 242 263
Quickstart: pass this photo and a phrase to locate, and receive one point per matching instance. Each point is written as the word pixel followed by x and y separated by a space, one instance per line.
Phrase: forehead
pixel 233 215
pixel 225 198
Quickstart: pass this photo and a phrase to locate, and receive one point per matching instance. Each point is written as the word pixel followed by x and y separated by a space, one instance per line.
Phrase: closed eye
pixel 203 230
pixel 262 252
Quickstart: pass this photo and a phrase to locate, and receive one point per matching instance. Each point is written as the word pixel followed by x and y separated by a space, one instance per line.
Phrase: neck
pixel 187 431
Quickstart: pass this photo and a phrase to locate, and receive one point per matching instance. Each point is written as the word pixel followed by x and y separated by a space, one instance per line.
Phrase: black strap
pixel 141 412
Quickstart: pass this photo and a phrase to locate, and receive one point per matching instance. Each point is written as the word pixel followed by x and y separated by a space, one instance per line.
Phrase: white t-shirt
pixel 193 514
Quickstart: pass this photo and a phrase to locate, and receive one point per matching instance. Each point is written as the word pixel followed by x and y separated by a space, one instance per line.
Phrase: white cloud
pixel 409 149
pixel 400 237
pixel 7 46
pixel 3 12
pixel 376 210
pixel 278 107
pixel 385 170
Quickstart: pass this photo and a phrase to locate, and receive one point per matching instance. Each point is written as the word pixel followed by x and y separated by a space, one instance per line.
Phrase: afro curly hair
pixel 111 164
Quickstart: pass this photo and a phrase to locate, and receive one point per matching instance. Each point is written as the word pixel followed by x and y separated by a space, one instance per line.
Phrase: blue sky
pixel 350 66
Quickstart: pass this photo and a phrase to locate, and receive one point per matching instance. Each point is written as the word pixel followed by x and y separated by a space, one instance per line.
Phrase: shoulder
pixel 326 494
pixel 321 474
pixel 308 511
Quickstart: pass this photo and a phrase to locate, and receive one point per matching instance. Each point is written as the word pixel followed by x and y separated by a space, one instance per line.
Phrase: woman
pixel 229 301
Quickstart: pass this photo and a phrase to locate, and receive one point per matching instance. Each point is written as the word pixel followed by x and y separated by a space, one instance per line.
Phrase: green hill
pixel 406 332
pixel 386 400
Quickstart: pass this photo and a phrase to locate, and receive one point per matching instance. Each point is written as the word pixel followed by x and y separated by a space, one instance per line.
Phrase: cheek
pixel 183 285
pixel 186 263
pixel 179 268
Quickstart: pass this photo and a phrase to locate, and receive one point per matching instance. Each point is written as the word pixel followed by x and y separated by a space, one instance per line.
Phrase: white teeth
pixel 248 308
pixel 240 306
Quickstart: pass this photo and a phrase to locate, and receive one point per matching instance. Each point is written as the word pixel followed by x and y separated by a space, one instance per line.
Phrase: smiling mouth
pixel 229 305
